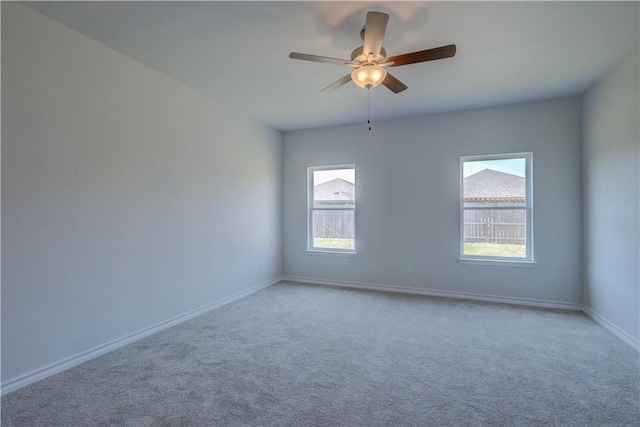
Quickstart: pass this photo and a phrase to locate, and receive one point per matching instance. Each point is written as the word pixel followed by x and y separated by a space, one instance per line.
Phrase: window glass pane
pixel 333 216
pixel 494 183
pixel 495 210
pixel 495 232
pixel 333 188
pixel 333 229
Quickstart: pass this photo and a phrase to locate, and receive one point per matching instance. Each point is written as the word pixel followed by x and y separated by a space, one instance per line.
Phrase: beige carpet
pixel 311 355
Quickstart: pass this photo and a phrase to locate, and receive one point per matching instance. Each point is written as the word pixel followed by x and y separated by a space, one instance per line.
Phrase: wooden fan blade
pixel 394 85
pixel 343 81
pixel 374 33
pixel 316 58
pixel 423 55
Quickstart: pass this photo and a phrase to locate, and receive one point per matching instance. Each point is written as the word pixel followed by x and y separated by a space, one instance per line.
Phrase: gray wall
pixel 611 197
pixel 407 192
pixel 127 198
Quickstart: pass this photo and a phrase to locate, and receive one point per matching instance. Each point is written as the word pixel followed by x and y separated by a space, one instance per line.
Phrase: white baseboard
pixel 437 293
pixel 624 336
pixel 63 365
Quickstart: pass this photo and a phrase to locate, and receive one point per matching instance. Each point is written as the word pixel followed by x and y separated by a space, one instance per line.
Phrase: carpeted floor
pixel 313 356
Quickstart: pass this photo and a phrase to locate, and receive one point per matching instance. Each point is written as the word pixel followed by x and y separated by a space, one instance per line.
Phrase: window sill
pixel 497 262
pixel 331 253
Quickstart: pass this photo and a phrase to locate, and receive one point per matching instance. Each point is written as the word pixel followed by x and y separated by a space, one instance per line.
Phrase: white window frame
pixel 528 260
pixel 310 210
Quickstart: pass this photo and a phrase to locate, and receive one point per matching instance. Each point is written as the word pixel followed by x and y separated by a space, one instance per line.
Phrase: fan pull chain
pixel 369 108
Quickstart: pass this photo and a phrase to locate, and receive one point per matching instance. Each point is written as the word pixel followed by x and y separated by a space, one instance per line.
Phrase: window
pixel 332 209
pixel 496 208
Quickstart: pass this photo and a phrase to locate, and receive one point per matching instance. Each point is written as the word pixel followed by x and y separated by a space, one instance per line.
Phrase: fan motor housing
pixel 358 56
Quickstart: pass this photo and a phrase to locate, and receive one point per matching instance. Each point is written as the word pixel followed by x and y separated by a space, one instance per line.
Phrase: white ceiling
pixel 237 52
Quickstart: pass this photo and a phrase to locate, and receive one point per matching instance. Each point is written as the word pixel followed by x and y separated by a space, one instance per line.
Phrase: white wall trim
pixel 437 293
pixel 497 262
pixel 63 365
pixel 615 330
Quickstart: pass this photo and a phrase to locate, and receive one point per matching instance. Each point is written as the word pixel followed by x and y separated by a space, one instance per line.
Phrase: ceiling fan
pixel 370 59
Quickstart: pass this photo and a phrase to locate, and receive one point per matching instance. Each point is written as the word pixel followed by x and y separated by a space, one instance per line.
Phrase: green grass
pixel 495 249
pixel 480 249
pixel 321 242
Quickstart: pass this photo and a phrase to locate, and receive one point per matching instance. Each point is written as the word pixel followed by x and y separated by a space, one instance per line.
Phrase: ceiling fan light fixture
pixel 370 59
pixel 368 76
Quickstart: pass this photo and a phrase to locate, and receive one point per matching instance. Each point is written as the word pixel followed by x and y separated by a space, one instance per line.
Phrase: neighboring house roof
pixel 335 190
pixel 493 186
pixel 485 186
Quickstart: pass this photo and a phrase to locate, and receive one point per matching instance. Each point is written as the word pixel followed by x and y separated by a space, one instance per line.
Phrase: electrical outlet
pixel 410 268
